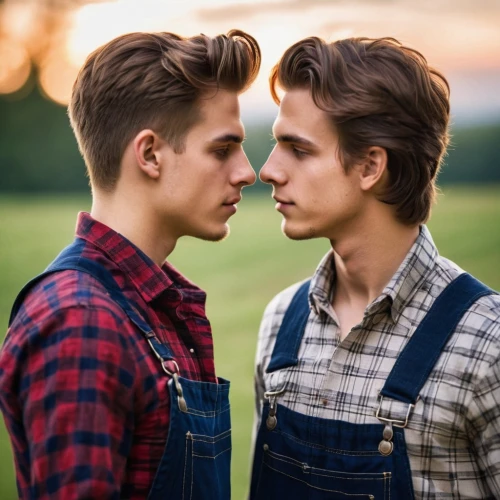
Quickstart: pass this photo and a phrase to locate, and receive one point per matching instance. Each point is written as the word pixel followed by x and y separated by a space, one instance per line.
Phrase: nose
pixel 244 174
pixel 271 173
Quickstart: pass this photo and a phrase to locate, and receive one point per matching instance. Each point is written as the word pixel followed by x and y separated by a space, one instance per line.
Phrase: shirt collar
pixel 323 283
pixel 149 279
pixel 409 277
pixel 412 273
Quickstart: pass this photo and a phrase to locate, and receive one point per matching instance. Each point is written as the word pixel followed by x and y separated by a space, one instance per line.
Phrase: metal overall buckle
pixel 175 376
pixel 386 446
pixel 272 420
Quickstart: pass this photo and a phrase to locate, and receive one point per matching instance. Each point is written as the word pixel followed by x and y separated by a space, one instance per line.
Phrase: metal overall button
pixel 181 401
pixel 386 446
pixel 272 421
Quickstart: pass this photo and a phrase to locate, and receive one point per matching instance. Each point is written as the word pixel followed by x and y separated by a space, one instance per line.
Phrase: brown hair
pixel 377 92
pixel 152 80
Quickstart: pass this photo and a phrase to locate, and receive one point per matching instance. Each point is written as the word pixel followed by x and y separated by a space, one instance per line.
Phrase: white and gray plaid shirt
pixel 453 436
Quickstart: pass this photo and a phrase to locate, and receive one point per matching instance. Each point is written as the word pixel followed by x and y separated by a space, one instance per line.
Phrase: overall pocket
pixel 286 477
pixel 207 462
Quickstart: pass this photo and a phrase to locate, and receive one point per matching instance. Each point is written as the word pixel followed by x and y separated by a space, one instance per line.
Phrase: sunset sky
pixel 459 37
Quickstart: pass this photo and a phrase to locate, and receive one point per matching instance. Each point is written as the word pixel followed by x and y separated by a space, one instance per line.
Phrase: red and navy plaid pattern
pixel 85 401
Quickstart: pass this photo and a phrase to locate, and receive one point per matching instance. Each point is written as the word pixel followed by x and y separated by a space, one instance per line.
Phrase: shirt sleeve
pixel 486 421
pixel 265 344
pixel 259 390
pixel 70 410
pixel 270 324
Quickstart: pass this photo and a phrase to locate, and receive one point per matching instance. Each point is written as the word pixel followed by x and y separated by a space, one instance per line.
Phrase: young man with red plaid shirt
pixel 107 378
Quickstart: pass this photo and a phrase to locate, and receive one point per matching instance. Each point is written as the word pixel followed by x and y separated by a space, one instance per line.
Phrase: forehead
pixel 299 115
pixel 219 115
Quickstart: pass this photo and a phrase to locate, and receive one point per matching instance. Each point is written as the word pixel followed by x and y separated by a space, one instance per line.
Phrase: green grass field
pixel 240 276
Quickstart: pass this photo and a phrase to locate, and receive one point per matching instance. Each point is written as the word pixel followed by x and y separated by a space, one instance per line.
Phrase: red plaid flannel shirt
pixel 85 401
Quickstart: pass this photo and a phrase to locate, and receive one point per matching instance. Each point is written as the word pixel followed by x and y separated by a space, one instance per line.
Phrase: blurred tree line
pixel 38 152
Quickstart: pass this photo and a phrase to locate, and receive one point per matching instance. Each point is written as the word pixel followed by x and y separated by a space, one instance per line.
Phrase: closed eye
pixel 222 153
pixel 299 153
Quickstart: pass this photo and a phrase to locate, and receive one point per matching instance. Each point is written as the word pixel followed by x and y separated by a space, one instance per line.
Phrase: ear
pixel 373 169
pixel 148 155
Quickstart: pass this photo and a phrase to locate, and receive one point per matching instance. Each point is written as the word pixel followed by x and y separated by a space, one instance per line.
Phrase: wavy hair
pixel 377 92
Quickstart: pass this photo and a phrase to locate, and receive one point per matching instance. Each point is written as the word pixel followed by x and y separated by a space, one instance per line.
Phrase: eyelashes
pixel 222 153
pixel 298 152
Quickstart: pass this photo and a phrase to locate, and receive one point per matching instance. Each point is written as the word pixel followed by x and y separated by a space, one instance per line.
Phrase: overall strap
pixel 286 348
pixel 71 259
pixel 422 351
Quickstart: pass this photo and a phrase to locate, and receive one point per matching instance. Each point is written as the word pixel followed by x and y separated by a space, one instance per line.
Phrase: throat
pixel 348 316
pixel 349 303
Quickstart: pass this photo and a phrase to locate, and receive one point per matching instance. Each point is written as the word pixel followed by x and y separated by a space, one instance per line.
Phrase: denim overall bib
pixel 302 457
pixel 196 461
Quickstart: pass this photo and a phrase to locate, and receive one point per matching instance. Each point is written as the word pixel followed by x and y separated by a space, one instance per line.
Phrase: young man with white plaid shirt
pixel 379 378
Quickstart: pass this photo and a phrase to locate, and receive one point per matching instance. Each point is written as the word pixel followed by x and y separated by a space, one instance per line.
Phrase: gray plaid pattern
pixel 453 436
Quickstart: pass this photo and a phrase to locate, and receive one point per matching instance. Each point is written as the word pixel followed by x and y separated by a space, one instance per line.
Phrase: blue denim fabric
pixel 196 462
pixel 197 457
pixel 313 458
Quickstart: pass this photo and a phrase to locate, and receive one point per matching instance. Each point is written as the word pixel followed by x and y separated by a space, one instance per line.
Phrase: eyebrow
pixel 296 139
pixel 237 139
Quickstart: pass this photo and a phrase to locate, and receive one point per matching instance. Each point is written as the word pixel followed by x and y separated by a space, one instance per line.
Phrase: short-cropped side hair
pixel 155 81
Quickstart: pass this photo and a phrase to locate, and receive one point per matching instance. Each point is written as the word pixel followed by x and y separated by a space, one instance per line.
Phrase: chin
pixel 298 233
pixel 214 235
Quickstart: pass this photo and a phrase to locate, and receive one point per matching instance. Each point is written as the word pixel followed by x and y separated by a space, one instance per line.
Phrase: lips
pixel 283 201
pixel 233 201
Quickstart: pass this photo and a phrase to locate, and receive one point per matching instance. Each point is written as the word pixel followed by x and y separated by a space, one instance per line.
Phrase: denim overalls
pixel 303 457
pixel 196 461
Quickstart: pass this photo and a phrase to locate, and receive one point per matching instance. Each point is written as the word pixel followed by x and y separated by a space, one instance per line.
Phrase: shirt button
pixel 324 401
pixel 191 350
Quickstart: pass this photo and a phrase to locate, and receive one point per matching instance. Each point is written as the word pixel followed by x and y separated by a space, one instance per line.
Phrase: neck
pixel 366 260
pixel 134 219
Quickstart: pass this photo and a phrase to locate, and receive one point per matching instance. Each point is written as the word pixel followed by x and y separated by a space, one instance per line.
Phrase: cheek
pixel 334 193
pixel 321 191
pixel 204 191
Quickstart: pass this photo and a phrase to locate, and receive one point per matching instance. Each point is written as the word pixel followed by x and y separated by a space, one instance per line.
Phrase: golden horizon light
pixel 56 78
pixel 456 37
pixel 15 66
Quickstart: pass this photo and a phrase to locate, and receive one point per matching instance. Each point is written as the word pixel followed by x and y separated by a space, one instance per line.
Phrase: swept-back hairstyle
pixel 156 81
pixel 377 92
